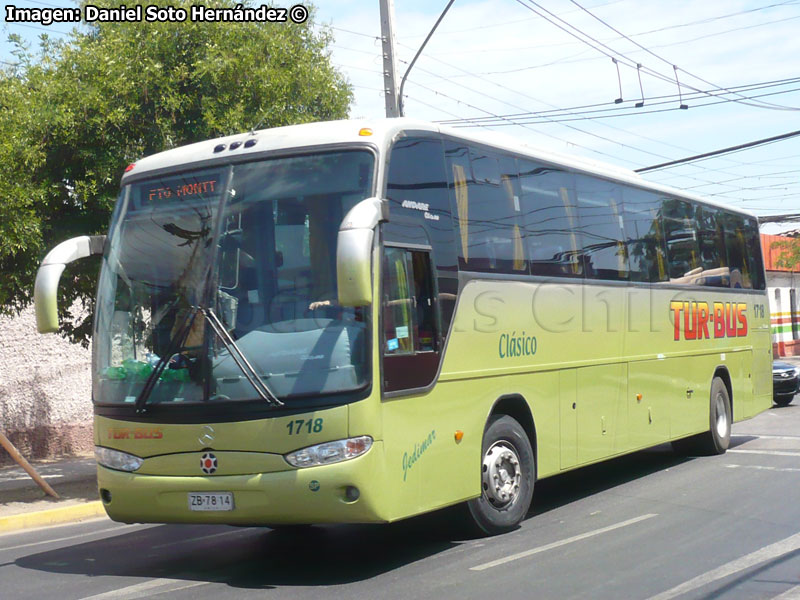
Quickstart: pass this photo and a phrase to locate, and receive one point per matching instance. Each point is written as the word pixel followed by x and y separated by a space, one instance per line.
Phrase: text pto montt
pixel 156 14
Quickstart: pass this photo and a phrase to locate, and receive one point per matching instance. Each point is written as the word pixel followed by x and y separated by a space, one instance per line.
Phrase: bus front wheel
pixel 507 477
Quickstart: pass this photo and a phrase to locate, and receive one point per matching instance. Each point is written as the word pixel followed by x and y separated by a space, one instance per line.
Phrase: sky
pixel 541 72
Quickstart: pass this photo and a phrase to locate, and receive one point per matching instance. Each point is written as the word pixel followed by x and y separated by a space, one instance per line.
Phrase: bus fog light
pixel 114 459
pixel 329 452
pixel 105 496
pixel 351 493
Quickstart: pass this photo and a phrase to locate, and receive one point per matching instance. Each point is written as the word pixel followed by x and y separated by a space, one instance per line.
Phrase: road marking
pixel 23 476
pixel 790 594
pixel 769 452
pixel 576 538
pixel 766 553
pixel 145 589
pixel 768 437
pixel 763 468
pixel 69 537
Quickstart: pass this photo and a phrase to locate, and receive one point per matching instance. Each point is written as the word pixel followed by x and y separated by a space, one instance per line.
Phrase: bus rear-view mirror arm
pixel 45 290
pixel 354 251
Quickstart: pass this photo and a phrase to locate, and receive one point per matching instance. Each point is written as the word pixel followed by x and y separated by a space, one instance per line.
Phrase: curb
pixel 54 516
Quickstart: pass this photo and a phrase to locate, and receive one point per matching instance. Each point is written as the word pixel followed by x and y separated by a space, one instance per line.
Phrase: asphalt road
pixel 649 525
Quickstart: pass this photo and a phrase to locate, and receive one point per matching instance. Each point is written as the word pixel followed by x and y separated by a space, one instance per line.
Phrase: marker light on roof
pixel 365 131
pixel 130 167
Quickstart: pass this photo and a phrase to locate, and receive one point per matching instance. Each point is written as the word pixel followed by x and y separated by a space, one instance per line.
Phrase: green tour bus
pixel 361 321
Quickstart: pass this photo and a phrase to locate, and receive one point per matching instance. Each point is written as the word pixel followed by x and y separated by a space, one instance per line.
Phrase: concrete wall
pixel 45 391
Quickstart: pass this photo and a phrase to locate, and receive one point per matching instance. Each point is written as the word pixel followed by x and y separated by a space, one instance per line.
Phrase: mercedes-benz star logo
pixel 207 437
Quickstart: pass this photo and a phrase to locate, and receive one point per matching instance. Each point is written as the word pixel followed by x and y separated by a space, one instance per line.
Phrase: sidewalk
pixel 24 505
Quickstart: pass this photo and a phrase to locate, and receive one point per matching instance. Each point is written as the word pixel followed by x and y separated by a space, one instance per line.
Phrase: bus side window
pixel 644 236
pixel 738 254
pixel 683 251
pixel 754 256
pixel 599 205
pixel 551 226
pixel 713 256
pixel 410 327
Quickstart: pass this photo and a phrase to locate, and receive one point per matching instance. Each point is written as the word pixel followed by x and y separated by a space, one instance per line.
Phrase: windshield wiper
pixel 239 358
pixel 175 343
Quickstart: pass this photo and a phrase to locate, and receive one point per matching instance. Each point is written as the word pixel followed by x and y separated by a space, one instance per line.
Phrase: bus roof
pixel 382 133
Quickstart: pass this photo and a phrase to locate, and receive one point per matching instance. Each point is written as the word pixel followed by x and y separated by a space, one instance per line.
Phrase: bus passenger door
pixel 410 350
pixel 410 328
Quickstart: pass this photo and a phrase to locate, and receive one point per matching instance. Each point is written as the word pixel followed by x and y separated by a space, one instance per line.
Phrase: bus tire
pixel 718 437
pixel 507 477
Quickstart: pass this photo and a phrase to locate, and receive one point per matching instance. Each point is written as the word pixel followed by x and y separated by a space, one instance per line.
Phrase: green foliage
pixel 789 256
pixel 74 113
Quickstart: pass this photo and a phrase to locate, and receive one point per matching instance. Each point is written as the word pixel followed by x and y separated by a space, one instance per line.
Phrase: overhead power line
pixel 626 61
pixel 599 110
pixel 688 159
pixel 676 68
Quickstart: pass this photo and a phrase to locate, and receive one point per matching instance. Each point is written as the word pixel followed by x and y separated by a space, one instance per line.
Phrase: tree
pixel 77 111
pixel 789 253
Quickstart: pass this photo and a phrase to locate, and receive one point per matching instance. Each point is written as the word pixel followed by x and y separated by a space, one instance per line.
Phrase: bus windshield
pixel 254 244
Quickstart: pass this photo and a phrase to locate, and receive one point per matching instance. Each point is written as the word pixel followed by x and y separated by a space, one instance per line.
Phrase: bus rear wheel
pixel 507 478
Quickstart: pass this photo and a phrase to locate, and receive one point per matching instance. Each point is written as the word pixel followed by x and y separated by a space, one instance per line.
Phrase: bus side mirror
pixel 354 251
pixel 45 290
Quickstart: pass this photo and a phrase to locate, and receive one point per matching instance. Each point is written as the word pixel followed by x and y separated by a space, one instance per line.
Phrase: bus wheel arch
pixel 507 469
pixel 717 438
pixel 516 407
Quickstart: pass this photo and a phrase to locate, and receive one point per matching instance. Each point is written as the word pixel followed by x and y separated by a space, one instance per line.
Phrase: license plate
pixel 210 501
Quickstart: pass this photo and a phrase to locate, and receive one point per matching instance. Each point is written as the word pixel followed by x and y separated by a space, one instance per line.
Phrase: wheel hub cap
pixel 501 474
pixel 722 416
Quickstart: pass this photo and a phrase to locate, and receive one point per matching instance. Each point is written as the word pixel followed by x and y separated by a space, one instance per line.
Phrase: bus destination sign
pixel 159 192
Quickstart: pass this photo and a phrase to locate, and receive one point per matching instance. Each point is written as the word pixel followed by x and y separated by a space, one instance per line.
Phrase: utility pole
pixel 389 62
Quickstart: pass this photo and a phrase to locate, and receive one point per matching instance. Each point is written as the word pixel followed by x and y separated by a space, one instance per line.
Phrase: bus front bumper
pixel 320 494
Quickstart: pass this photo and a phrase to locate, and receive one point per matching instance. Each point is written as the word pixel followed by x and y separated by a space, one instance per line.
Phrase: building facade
pixel 783 285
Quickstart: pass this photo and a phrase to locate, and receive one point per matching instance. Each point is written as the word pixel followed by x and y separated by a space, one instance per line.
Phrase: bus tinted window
pixel 486 191
pixel 681 235
pixel 600 216
pixel 551 235
pixel 753 247
pixel 644 236
pixel 736 244
pixel 512 204
pixel 417 178
pixel 713 256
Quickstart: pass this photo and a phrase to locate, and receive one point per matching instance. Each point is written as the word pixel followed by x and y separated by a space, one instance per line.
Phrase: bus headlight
pixel 114 459
pixel 329 452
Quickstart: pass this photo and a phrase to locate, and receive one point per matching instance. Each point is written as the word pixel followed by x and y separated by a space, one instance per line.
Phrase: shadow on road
pixel 256 558
pixel 575 485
